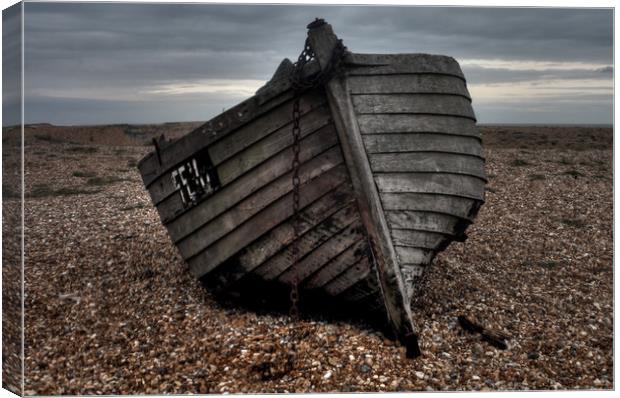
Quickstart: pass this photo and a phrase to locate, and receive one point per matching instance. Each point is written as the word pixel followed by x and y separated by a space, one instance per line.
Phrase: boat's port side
pixel 232 156
pixel 420 135
pixel 243 230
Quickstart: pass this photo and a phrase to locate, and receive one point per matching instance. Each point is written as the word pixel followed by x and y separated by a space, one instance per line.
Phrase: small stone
pixel 327 375
pixel 475 377
pixel 383 379
pixel 489 353
pixel 365 368
pixel 533 355
pixel 419 375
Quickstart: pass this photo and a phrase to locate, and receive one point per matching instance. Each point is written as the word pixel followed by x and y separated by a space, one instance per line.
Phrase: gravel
pixel 112 309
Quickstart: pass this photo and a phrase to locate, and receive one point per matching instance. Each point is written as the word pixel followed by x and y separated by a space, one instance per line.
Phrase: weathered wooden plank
pixel 338 264
pixel 170 208
pixel 414 255
pixel 350 277
pixel 282 235
pixel 435 104
pixel 423 221
pixel 411 84
pixel 419 142
pixel 323 254
pixel 247 158
pixel 176 151
pixel 312 239
pixel 192 241
pixel 363 291
pixel 273 215
pixel 270 97
pixel 427 162
pixel 263 150
pixel 323 42
pixel 412 273
pixel 280 118
pixel 452 205
pixel 382 64
pixel 407 123
pixel 415 238
pixel 249 183
pixel 449 184
pixel 414 270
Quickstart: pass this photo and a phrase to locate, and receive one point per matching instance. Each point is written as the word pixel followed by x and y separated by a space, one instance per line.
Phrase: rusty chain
pixel 299 84
pixel 294 310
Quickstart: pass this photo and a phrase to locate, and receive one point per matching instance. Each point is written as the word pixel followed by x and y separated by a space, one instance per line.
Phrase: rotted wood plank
pixel 423 221
pixel 364 290
pixel 427 162
pixel 249 183
pixel 191 242
pixel 351 256
pixel 311 105
pixel 419 142
pixel 435 104
pixel 384 64
pixel 449 184
pixel 309 241
pixel 246 159
pixel 415 238
pixel 282 235
pixel 414 255
pixel 350 277
pixel 323 253
pixel 215 129
pixel 387 123
pixel 273 215
pixel 452 205
pixel 412 84
pixel 170 208
pixel 263 150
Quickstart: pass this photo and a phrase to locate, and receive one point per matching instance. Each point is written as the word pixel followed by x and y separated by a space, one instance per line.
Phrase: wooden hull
pixel 392 170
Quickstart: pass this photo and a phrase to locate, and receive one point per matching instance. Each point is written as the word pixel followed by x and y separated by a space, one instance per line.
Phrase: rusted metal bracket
pixel 157 150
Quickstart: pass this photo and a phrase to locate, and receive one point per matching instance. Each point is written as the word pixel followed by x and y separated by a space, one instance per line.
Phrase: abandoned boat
pixel 343 176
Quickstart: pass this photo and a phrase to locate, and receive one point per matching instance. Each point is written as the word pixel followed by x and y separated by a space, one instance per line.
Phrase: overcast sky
pixel 140 63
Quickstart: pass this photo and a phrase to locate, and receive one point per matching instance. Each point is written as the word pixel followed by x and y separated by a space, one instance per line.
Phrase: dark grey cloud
pixel 76 52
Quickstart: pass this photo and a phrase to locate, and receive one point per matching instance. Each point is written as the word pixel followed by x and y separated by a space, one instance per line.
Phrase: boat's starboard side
pixel 419 130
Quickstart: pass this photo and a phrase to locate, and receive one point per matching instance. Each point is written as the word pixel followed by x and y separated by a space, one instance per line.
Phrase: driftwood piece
pixel 494 338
